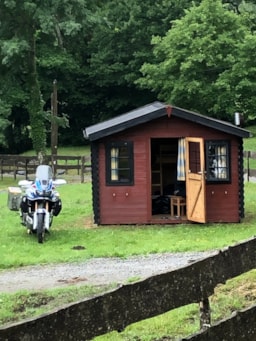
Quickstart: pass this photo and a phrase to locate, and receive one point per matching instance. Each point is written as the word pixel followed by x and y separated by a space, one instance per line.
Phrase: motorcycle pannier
pixel 14 198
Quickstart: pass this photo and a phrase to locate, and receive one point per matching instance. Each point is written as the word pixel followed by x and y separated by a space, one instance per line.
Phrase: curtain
pixel 114 163
pixel 181 170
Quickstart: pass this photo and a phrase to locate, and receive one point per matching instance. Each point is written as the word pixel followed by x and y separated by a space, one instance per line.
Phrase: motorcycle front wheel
pixel 40 228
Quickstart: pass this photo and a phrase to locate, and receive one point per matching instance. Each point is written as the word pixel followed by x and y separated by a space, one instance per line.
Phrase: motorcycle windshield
pixel 44 172
pixel 43 181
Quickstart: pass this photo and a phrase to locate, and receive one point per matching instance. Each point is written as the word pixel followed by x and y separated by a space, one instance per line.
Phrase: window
pixel 119 163
pixel 218 161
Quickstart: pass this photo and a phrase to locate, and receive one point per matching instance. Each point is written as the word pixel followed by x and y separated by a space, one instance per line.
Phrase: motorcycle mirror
pixel 58 182
pixel 25 183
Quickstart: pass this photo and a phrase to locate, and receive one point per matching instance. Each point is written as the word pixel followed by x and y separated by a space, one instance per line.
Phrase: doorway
pixel 164 153
pixel 188 184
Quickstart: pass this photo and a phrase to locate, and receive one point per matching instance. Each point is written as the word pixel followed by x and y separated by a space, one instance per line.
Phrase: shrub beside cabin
pixel 162 165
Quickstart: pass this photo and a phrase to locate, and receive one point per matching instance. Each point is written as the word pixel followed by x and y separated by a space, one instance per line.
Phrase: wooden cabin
pixel 160 164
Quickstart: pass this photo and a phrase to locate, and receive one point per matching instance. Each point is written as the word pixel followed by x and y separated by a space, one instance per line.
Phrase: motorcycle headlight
pixel 43 193
pixel 47 193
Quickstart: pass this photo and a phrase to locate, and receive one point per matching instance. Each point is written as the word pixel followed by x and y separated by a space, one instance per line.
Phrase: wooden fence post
pixel 2 169
pixel 82 168
pixel 248 165
pixel 26 168
pixel 15 168
pixel 205 314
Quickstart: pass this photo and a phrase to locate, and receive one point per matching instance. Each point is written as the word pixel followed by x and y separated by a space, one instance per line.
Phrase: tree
pixel 191 59
pixel 236 86
pixel 119 46
pixel 5 112
pixel 239 5
pixel 24 26
pixel 94 49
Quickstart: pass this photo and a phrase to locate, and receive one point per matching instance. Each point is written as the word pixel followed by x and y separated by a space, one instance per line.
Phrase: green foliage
pixel 37 120
pixel 239 81
pixel 24 27
pixel 197 57
pixel 95 50
pixel 120 44
pixel 12 48
pixel 4 122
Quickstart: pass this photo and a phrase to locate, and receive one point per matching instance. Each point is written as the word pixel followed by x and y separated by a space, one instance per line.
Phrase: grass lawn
pixel 74 227
pixel 73 151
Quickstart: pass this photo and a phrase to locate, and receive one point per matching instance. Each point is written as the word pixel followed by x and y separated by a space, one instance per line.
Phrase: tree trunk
pixel 35 105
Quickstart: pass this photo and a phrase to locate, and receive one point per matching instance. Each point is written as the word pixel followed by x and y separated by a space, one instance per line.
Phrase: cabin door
pixel 195 180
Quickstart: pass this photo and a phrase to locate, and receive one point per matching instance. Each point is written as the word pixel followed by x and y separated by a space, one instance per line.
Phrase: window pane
pixel 194 157
pixel 217 158
pixel 119 161
pixel 124 175
pixel 114 163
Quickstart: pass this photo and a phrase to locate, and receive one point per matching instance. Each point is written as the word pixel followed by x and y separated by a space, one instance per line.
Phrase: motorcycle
pixel 40 202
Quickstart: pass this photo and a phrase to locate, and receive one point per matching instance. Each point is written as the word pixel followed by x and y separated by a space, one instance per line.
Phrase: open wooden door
pixel 195 180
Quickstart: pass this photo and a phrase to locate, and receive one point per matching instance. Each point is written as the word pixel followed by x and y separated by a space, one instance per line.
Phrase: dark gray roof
pixel 152 111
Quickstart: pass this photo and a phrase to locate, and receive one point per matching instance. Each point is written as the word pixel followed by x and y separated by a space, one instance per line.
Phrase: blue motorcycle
pixel 40 202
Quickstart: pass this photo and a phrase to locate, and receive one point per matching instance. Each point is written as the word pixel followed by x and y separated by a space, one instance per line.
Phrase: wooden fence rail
pixel 26 165
pixel 150 297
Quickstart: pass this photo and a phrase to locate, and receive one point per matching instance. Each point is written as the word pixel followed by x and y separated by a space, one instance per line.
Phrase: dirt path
pixel 99 271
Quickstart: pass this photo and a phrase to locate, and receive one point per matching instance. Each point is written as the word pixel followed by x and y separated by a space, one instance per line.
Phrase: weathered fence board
pixel 134 302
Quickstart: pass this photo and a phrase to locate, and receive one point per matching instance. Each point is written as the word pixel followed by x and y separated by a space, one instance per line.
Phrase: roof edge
pixel 156 110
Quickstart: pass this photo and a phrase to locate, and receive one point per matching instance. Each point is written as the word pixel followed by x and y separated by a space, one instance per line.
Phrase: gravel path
pixel 97 271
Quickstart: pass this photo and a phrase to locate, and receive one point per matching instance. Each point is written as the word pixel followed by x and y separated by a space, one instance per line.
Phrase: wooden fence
pixel 26 165
pixel 150 297
pixel 248 156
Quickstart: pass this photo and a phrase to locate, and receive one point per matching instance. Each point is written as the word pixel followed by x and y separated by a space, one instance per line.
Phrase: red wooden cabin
pixel 146 160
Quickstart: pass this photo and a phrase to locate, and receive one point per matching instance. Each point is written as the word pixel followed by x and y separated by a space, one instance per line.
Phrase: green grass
pixel 67 151
pixel 237 294
pixel 17 248
pixel 72 151
pixel 250 143
pixel 74 227
pixel 23 304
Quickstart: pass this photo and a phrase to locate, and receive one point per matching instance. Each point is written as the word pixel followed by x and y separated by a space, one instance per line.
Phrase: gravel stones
pixel 95 271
